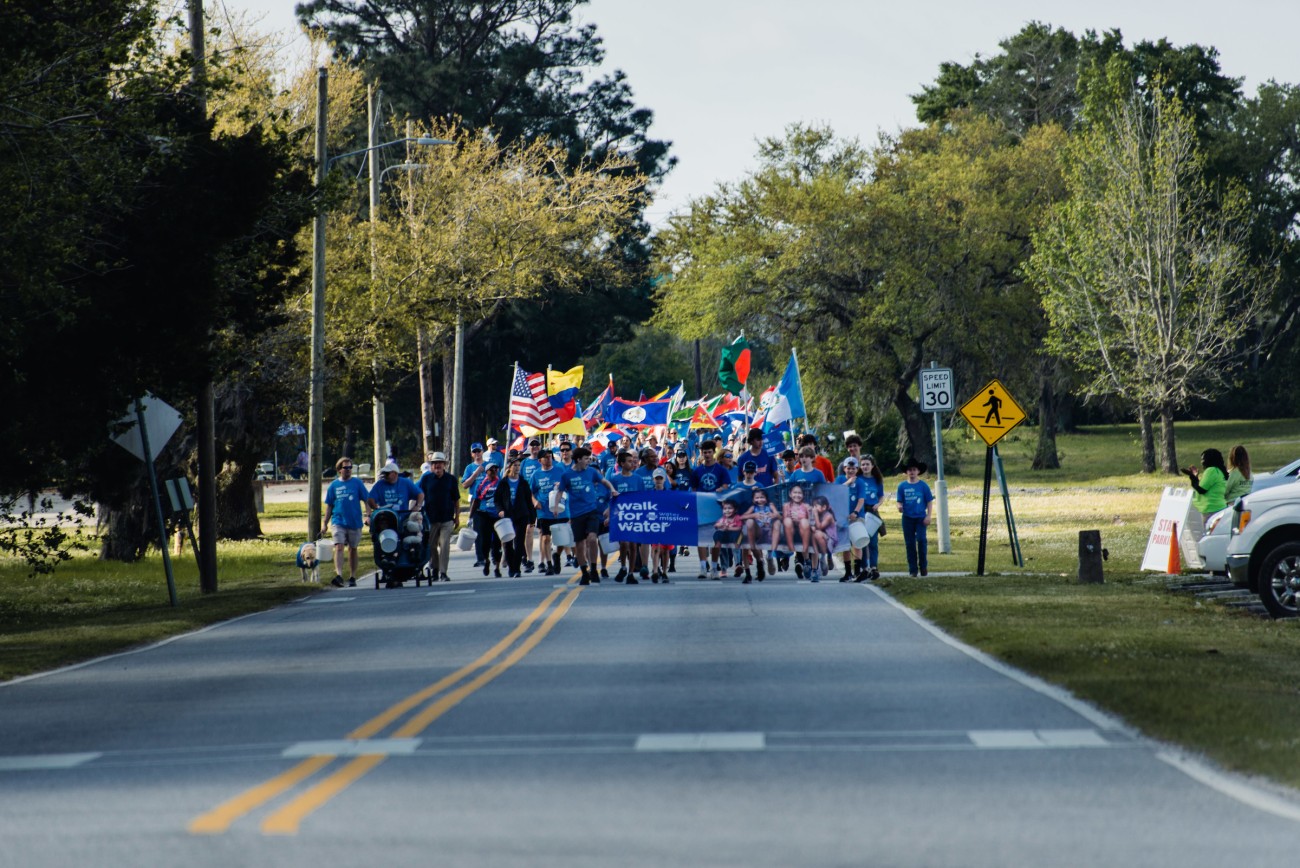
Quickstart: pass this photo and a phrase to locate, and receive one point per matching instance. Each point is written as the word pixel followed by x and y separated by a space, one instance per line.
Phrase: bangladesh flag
pixel 733 370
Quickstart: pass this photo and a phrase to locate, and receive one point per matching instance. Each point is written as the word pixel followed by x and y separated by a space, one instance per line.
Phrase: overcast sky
pixel 721 74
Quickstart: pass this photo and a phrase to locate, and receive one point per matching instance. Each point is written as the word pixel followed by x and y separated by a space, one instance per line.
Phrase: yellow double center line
pixel 286 819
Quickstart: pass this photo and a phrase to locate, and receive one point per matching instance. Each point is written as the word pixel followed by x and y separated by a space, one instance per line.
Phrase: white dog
pixel 308 562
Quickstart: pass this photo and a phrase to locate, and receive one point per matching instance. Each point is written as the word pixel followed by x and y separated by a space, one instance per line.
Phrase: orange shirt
pixel 822 463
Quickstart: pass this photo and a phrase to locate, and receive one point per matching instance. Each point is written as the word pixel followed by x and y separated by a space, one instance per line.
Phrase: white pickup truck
pixel 1264 551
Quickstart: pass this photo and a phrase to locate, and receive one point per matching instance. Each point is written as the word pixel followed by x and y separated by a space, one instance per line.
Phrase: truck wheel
pixel 1279 580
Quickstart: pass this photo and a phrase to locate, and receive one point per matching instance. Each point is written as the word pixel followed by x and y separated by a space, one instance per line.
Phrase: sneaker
pixel 584 580
pixel 847 577
pixel 555 564
pixel 815 576
pixel 771 565
pixel 663 578
pixel 925 572
pixel 875 573
pixel 631 579
pixel 569 561
pixel 352 582
pixel 337 581
pixel 739 570
pixel 702 576
pixel 760 569
pixel 747 580
pixel 496 572
pixel 783 562
pixel 798 569
pixel 645 573
pixel 485 569
pixel 478 564
pixel 529 566
pixel 654 579
pixel 749 577
pixel 444 577
pixel 604 573
pixel 621 575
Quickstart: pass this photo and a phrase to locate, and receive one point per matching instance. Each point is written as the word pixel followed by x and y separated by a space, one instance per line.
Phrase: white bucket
pixel 562 535
pixel 556 501
pixel 861 531
pixel 607 545
pixel 505 529
pixel 324 550
pixel 465 539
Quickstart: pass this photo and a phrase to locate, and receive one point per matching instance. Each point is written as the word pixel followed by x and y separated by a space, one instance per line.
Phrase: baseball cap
pixel 749 465
pixel 476 447
pixel 660 473
pixel 534 442
pixel 390 467
pixel 491 440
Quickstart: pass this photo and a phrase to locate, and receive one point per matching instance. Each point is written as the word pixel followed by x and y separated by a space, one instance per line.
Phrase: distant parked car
pixel 1213 546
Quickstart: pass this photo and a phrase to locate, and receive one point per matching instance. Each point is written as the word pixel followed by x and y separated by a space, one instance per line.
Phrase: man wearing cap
pixel 442 508
pixel 494 455
pixel 821 462
pixel 343 502
pixel 394 491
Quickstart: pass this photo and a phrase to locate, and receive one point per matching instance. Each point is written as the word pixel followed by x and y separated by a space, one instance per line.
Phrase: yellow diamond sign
pixel 992 412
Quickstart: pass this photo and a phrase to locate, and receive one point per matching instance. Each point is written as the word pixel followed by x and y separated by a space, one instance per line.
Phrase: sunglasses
pixel 345 467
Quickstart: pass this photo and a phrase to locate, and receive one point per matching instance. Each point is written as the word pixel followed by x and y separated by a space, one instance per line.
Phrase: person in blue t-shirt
pixel 916 503
pixel 396 492
pixel 583 485
pixel 545 479
pixel 873 486
pixel 528 467
pixel 495 456
pixel 343 502
pixel 768 469
pixel 851 478
pixel 806 472
pixel 709 477
pixel 631 556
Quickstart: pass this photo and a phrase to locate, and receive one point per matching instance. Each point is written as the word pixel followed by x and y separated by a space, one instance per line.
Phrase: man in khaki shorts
pixel 344 501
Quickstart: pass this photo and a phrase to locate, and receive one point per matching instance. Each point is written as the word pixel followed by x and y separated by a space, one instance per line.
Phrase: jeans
pixel 439 546
pixel 488 543
pixel 915 543
pixel 872 551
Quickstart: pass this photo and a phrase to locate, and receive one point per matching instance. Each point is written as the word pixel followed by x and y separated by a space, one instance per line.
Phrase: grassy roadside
pixel 1215 680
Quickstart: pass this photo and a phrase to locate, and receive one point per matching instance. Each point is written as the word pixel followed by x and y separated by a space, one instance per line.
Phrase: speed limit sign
pixel 936 390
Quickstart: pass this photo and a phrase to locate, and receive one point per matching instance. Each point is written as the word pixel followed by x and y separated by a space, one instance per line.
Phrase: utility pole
pixel 206 404
pixel 457 392
pixel 315 422
pixel 376 400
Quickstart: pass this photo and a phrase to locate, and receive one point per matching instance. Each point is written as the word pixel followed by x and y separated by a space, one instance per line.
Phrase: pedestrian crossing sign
pixel 992 412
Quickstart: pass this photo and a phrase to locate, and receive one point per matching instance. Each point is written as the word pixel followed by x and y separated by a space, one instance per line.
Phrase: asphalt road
pixel 487 722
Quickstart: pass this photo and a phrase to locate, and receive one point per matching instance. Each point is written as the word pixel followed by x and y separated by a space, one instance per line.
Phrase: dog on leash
pixel 308 562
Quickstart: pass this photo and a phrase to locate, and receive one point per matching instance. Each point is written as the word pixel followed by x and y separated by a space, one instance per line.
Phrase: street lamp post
pixel 315 430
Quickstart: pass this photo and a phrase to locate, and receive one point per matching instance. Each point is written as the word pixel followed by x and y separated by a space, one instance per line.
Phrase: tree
pixel 1146 279
pixel 874 262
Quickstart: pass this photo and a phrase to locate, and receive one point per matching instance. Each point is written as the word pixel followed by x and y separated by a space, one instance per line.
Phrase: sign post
pixel 992 412
pixel 153 419
pixel 937 398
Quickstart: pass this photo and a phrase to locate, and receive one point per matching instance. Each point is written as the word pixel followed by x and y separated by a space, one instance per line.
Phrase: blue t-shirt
pixel 485 492
pixel 528 469
pixel 648 474
pixel 802 475
pixel 626 484
pixel 469 471
pixel 875 491
pixel 767 465
pixel 682 481
pixel 397 495
pixel 710 477
pixel 497 458
pixel 543 483
pixel 584 488
pixel 344 498
pixel 857 491
pixel 914 496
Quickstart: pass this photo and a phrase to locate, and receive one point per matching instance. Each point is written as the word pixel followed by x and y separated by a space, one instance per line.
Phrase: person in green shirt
pixel 1209 483
pixel 1240 481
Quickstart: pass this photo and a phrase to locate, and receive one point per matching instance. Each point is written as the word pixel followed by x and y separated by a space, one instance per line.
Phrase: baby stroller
pixel 401 544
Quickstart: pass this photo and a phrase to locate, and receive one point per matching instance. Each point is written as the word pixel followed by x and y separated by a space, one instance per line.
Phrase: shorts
pixel 348 536
pixel 726 537
pixel 544 525
pixel 585 525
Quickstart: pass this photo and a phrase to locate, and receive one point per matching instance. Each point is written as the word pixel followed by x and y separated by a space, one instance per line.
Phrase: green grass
pixel 1213 679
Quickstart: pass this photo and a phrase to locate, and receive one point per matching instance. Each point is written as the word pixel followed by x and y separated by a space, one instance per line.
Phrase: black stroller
pixel 401 544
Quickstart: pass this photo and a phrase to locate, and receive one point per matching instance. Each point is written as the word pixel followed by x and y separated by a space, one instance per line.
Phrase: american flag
pixel 528 404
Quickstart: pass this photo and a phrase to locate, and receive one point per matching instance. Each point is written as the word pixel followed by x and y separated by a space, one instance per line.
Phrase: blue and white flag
pixel 789 396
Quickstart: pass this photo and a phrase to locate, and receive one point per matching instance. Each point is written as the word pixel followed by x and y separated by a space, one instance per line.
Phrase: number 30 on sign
pixel 936 390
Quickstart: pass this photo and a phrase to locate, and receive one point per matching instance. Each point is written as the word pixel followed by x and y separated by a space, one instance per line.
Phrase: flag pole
pixel 798 375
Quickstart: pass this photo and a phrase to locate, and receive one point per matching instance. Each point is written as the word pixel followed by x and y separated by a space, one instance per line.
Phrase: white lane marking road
pixel 700 741
pixel 1020 739
pixel 353 747
pixel 44 762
